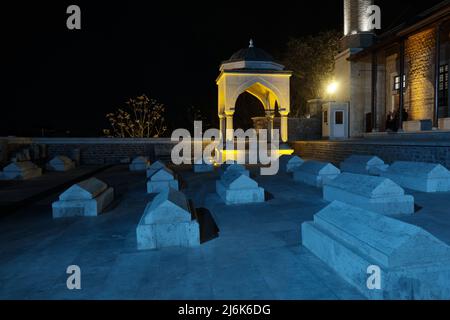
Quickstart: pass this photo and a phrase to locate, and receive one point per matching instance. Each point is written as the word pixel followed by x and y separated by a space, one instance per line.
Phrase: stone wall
pixel 111 151
pixel 90 150
pixel 419 66
pixel 337 151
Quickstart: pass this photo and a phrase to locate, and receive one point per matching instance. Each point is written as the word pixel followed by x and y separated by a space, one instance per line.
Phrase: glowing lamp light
pixel 332 87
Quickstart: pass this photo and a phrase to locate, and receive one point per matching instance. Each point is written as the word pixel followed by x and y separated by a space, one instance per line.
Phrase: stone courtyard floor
pixel 256 256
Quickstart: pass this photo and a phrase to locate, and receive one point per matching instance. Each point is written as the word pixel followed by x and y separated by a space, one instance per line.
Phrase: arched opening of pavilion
pixel 247 108
pixel 252 70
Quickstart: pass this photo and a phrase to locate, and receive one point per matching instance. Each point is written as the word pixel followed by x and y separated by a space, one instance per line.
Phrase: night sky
pixel 66 81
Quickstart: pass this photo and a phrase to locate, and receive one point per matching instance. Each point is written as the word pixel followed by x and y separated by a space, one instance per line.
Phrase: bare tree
pixel 141 118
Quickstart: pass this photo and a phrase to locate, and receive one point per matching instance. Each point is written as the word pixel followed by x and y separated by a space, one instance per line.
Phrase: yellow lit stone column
pixel 222 126
pixel 270 115
pixel 284 128
pixel 229 128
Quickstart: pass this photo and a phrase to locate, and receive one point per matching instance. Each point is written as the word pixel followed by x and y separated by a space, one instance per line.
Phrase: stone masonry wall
pixel 337 151
pixel 105 151
pixel 420 51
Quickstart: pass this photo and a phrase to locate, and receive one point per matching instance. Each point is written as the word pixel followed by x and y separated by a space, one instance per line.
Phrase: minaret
pixel 351 76
pixel 357 33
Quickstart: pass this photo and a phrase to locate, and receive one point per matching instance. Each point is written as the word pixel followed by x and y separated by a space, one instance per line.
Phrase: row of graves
pixel 170 219
pixel 22 169
pixel 358 230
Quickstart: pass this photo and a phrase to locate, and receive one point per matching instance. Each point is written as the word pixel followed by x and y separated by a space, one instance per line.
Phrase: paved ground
pixel 257 255
pixel 17 193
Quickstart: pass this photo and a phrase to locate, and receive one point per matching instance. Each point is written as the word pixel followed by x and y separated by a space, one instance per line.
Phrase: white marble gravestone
pixel 290 163
pixel 362 164
pixel 168 221
pixel 154 167
pixel 413 264
pixel 236 187
pixel 139 164
pixel 162 180
pixel 88 198
pixel 61 164
pixel 315 173
pixel 235 167
pixel 21 171
pixel 372 193
pixel 419 176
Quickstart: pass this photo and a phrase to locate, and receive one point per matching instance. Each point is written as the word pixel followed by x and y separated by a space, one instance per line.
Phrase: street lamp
pixel 332 87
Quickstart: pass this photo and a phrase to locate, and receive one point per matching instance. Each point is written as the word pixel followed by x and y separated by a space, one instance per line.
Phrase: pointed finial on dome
pixel 251 44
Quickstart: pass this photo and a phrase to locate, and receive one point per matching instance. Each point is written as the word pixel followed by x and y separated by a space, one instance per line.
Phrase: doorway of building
pixel 339 124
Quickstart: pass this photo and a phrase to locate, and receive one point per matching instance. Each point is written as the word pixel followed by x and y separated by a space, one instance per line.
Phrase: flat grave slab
pixel 162 180
pixel 88 198
pixel 363 164
pixel 372 193
pixel 154 167
pixel 238 188
pixel 290 163
pixel 139 164
pixel 419 176
pixel 413 264
pixel 21 171
pixel 315 173
pixel 60 164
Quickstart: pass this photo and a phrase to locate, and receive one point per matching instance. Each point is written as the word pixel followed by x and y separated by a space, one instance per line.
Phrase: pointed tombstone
pixel 162 180
pixel 87 198
pixel 372 193
pixel 363 164
pixel 238 188
pixel 235 167
pixel 168 221
pixel 139 164
pixel 419 176
pixel 290 163
pixel 61 164
pixel 413 263
pixel 154 167
pixel 201 165
pixel 315 173
pixel 84 190
pixel 21 171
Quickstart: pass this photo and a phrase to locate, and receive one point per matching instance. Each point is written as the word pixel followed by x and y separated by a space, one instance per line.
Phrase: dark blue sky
pixel 68 80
